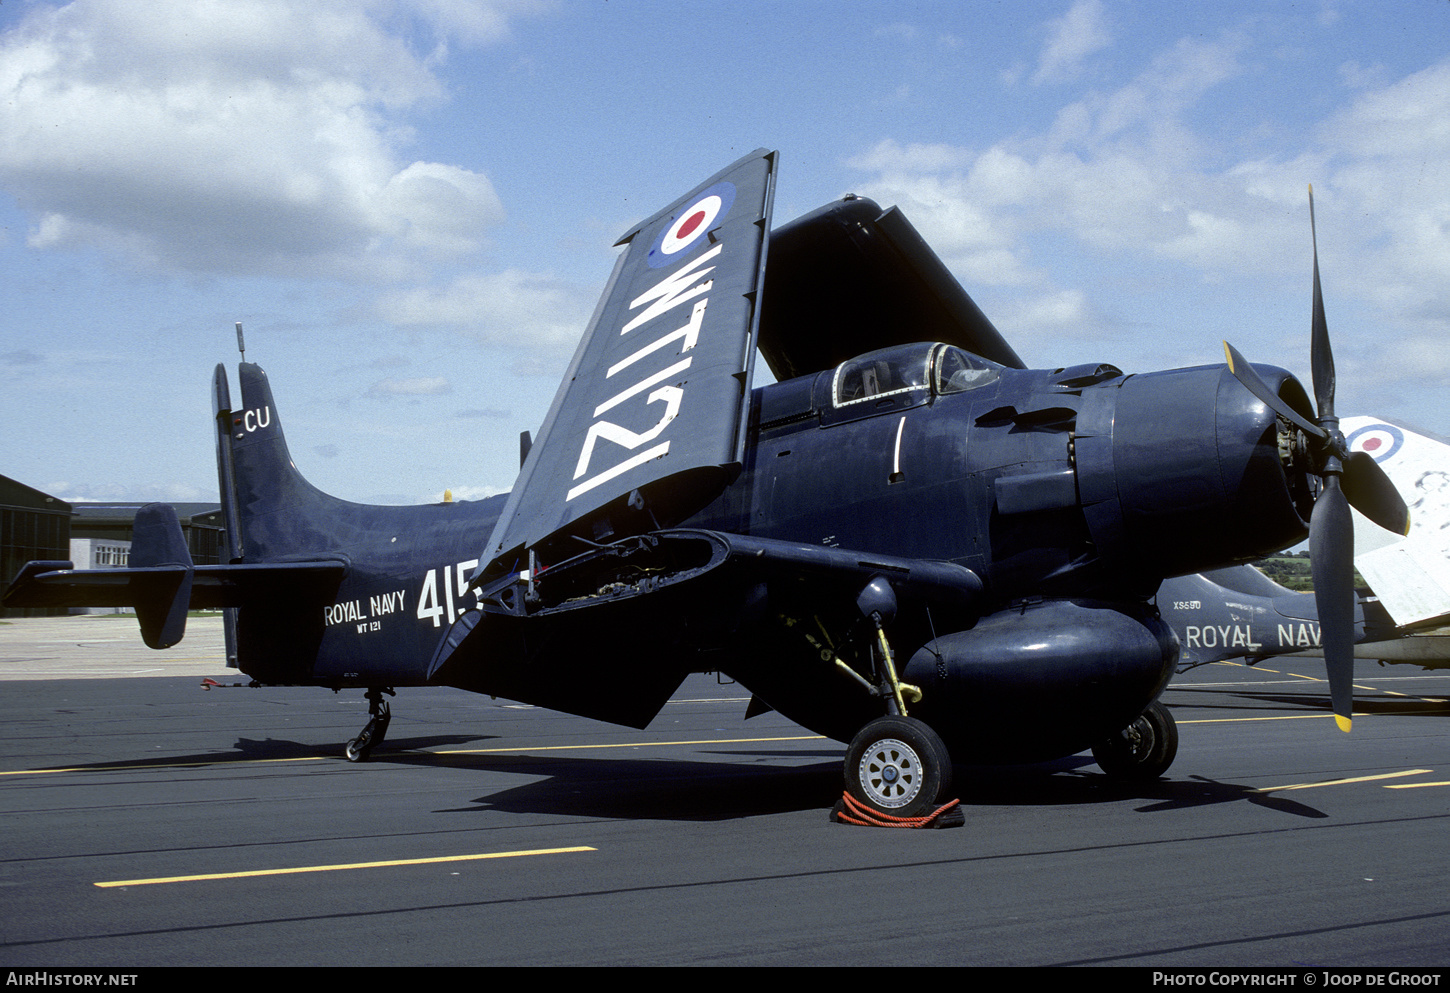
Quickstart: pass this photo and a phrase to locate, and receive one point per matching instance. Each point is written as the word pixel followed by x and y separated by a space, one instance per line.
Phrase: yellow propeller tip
pixel 1343 722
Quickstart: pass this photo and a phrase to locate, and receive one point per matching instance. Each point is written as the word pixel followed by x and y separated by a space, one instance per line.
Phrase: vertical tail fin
pixel 272 514
pixel 271 510
pixel 1410 574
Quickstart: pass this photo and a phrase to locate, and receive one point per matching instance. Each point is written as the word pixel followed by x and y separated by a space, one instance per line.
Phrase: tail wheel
pixel 359 749
pixel 898 766
pixel 1143 750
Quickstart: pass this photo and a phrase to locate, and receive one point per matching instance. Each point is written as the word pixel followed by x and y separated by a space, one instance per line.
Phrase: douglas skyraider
pixel 910 542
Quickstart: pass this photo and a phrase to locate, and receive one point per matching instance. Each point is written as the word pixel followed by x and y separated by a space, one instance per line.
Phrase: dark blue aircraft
pixel 909 543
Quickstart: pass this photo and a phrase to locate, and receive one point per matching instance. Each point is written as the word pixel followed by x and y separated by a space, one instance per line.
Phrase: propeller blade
pixel 1244 373
pixel 1321 356
pixel 1331 553
pixel 1371 493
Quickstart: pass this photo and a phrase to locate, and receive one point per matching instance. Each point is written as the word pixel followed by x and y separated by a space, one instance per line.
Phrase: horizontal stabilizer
pixel 58 584
pixel 1247 579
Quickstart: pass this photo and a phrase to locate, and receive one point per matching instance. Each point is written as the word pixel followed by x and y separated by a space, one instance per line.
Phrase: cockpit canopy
pixel 923 367
pixel 879 382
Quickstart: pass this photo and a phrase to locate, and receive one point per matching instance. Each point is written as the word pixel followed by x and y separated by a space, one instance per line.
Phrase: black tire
pixel 359 748
pixel 1143 750
pixel 898 766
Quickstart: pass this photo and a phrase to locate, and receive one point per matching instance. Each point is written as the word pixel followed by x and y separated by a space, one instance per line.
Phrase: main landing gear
pixel 1143 750
pixel 359 748
pixel 896 767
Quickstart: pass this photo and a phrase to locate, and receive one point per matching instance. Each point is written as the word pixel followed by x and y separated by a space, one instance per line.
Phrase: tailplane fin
pixel 271 510
pixel 164 591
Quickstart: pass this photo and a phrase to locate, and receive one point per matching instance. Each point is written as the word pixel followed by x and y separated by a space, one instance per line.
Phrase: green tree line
pixel 1292 570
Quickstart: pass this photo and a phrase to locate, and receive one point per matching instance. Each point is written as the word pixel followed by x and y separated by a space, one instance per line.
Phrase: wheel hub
pixel 890 773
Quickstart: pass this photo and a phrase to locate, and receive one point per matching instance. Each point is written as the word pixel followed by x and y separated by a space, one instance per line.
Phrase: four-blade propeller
pixel 1348 479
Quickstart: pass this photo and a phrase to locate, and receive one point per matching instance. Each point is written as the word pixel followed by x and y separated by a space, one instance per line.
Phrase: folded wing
pixel 649 423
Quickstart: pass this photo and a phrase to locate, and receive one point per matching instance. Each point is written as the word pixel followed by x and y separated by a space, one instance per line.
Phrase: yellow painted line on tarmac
pixel 1311 717
pixel 1413 786
pixel 335 868
pixel 1245 720
pixel 1342 782
pixel 1312 679
pixel 456 751
pixel 1437 700
pixel 1256 668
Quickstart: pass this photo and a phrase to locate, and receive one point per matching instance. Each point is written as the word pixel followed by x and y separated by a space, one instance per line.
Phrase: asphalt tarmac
pixel 147 821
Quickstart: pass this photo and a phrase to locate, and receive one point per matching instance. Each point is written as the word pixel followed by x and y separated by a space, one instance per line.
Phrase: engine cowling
pixel 1185 470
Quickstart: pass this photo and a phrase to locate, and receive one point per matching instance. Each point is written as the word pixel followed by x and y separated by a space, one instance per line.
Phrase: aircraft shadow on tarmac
pixel 257 750
pixel 667 789
pixel 742 784
pixel 1076 780
pixel 663 789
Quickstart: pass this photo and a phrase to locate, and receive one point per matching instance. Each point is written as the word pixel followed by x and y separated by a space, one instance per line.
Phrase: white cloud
pixel 131 493
pixel 1071 39
pixel 1389 193
pixel 888 156
pixel 1057 313
pixel 1152 196
pixel 473 22
pixel 244 137
pixel 1119 170
pixel 437 206
pixel 1356 76
pixel 949 201
pixel 509 308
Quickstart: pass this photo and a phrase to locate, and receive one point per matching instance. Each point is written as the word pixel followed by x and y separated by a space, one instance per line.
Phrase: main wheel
pixel 898 766
pixel 1143 750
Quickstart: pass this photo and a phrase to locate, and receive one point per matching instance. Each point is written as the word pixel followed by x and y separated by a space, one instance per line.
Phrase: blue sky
pixel 410 203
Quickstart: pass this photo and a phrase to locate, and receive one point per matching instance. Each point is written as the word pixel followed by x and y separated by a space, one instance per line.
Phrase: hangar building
pixel 35 525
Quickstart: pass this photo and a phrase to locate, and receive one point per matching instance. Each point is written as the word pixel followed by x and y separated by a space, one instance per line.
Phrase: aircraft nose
pixel 1185 470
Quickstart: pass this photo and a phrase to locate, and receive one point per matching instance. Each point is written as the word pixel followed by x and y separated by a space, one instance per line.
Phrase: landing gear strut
pixel 896 766
pixel 359 748
pixel 1143 750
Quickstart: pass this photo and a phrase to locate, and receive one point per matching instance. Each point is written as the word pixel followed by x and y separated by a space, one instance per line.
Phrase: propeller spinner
pixel 1349 480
